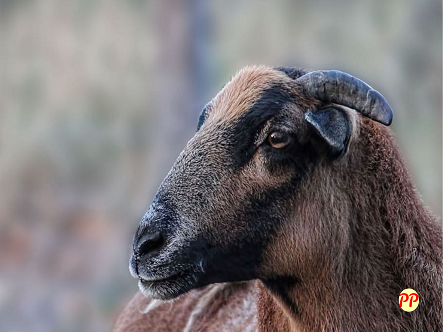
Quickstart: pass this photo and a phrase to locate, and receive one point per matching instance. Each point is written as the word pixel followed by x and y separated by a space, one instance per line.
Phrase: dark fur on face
pixel 329 216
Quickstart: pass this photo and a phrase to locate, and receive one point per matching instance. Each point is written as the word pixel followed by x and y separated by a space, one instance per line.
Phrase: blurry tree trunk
pixel 183 74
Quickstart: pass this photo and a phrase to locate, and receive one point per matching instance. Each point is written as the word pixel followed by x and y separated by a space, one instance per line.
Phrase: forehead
pixel 244 90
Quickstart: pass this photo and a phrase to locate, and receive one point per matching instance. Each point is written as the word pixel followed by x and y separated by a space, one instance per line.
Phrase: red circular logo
pixel 408 299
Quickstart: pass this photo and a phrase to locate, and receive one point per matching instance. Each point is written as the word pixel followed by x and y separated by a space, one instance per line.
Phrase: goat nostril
pixel 150 243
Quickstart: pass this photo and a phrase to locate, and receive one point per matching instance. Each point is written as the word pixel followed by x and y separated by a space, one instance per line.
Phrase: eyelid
pixel 263 133
pixel 270 125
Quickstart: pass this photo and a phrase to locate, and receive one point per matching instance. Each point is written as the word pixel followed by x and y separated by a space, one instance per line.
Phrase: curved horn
pixel 343 89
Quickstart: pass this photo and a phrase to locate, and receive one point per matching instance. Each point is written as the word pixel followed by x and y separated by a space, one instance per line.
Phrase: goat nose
pixel 150 243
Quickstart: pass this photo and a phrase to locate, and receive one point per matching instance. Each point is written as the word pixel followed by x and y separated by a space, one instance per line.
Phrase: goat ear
pixel 332 126
pixel 203 115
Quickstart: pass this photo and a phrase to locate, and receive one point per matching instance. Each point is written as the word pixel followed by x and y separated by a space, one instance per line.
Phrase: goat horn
pixel 343 89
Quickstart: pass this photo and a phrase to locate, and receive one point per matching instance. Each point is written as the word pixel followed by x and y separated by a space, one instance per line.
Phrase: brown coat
pixel 226 307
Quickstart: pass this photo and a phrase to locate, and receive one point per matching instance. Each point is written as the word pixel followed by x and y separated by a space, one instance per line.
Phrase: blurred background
pixel 97 98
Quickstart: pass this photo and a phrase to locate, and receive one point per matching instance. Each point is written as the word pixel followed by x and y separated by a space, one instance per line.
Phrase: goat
pixel 293 183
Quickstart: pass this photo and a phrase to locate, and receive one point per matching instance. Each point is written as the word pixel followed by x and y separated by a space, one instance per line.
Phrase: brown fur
pixel 381 241
pixel 222 307
pixel 242 91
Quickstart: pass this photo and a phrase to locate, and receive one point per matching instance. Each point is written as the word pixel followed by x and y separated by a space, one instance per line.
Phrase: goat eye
pixel 279 140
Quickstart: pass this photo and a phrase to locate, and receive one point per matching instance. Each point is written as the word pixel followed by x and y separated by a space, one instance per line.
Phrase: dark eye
pixel 279 140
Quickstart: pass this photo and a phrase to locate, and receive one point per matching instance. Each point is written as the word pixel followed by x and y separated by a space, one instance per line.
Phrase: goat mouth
pixel 148 281
pixel 168 287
